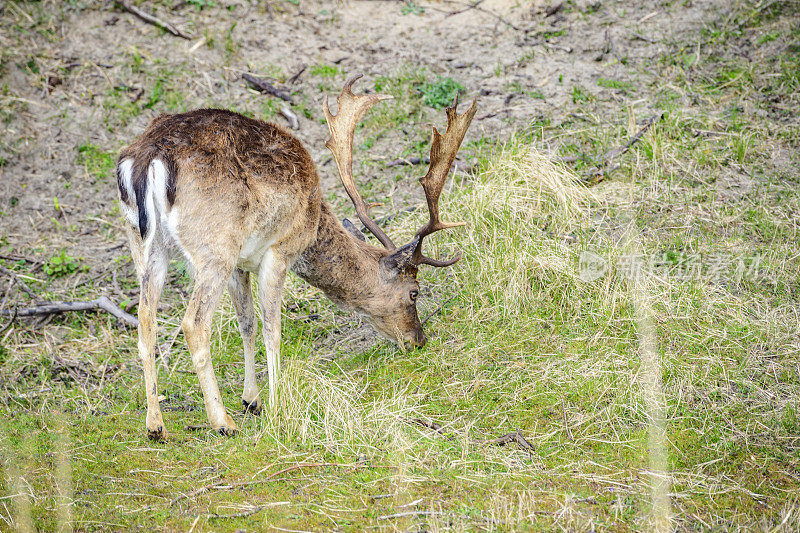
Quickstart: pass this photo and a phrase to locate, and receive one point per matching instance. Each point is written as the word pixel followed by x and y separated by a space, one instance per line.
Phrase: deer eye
pixel 413 295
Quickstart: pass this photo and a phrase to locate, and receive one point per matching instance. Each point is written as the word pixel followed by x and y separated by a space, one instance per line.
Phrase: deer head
pixel 390 303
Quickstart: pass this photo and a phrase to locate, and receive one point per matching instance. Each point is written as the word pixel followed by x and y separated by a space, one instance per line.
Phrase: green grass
pixel 324 70
pixel 519 340
pixel 98 162
pixel 440 93
pixel 521 343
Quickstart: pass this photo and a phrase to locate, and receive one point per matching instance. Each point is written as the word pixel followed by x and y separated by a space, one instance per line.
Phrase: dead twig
pixel 495 15
pixel 408 161
pixel 610 48
pixel 471 6
pixel 245 514
pixel 432 425
pixel 641 37
pixel 21 284
pixel 103 303
pixel 150 19
pixel 10 323
pixel 293 79
pixel 435 311
pixel 410 513
pixel 266 87
pixel 224 485
pixel 516 436
pixel 603 160
pixel 15 257
pixel 290 116
pixel 478 8
pixel 512 437
pixel 457 165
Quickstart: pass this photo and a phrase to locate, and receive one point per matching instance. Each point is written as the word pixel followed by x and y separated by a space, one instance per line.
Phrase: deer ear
pixel 353 230
pixel 400 259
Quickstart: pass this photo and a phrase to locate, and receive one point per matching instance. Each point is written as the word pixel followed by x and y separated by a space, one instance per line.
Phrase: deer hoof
pixel 227 431
pixel 227 428
pixel 158 434
pixel 253 407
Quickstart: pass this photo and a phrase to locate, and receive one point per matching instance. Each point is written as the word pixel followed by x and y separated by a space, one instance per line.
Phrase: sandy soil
pixel 500 51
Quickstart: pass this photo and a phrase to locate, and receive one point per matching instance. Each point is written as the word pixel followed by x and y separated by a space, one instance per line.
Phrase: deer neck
pixel 344 267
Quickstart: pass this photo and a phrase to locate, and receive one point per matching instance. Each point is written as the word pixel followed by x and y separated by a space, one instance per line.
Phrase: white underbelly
pixel 253 252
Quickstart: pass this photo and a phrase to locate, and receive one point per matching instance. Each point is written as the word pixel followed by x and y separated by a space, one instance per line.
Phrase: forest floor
pixel 627 303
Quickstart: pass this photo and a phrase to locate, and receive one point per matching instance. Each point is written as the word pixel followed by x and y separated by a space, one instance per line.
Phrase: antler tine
pixel 443 152
pixel 342 125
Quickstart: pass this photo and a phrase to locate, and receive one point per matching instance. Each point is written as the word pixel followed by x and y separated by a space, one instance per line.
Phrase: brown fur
pixel 229 178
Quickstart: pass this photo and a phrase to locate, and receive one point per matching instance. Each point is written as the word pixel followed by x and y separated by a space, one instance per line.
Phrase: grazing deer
pixel 238 196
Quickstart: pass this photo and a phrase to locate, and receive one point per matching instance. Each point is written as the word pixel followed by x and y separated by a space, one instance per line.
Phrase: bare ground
pixel 106 64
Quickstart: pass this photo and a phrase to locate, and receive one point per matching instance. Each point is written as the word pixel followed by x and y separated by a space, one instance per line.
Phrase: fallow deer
pixel 238 196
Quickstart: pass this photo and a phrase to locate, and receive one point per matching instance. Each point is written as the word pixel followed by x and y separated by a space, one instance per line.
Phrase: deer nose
pixel 419 338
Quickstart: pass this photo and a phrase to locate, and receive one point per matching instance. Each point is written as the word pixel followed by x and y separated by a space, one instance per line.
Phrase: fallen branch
pixel 266 87
pixel 150 19
pixel 15 257
pixel 512 437
pixel 103 303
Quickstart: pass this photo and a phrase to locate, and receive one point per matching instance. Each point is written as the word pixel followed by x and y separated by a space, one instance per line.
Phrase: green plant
pixel 62 265
pixel 579 94
pixel 412 8
pixel 324 70
pixel 98 162
pixel 231 45
pixel 441 93
pixel 163 92
pixel 614 84
pixel 200 4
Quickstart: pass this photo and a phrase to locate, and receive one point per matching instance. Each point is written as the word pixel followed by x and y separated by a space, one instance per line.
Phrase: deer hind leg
pixel 271 278
pixel 151 267
pixel 210 279
pixel 242 297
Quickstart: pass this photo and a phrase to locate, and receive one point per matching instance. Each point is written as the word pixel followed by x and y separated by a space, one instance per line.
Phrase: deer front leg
pixel 152 273
pixel 271 278
pixel 242 297
pixel 209 284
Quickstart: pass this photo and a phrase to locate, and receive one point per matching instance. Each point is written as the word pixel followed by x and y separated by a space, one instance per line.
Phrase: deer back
pixel 215 180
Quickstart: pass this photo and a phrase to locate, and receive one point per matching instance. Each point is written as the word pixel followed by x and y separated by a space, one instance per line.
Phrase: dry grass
pixel 653 402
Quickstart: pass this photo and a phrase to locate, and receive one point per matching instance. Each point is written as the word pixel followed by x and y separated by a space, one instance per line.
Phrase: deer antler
pixel 342 125
pixel 443 153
